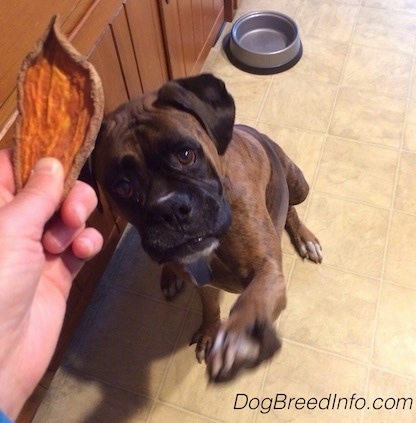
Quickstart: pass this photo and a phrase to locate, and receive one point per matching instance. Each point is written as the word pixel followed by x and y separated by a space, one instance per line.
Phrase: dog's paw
pixel 311 250
pixel 237 347
pixel 170 284
pixel 306 244
pixel 203 339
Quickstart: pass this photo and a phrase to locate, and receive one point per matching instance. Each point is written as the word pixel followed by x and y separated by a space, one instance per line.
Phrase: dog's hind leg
pixel 305 242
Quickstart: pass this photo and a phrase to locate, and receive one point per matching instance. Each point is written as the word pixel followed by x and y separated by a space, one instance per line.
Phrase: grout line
pixel 393 373
pixel 91 377
pixel 262 387
pixel 185 410
pixel 149 297
pixel 373 337
pixel 327 352
pixel 398 285
pixel 344 270
pixel 263 102
pixel 354 200
pixel 172 355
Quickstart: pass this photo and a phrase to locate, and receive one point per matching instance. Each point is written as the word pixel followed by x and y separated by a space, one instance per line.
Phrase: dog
pixel 210 200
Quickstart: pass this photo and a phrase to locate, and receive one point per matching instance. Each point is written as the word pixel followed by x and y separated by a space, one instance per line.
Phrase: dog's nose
pixel 173 210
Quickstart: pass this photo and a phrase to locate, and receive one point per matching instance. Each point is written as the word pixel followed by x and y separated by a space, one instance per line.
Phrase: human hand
pixel 40 254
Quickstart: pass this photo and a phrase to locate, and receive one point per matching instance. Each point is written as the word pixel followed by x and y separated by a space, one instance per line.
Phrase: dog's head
pixel 158 160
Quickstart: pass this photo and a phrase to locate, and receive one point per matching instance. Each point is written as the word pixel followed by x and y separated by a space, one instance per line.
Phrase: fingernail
pixel 47 165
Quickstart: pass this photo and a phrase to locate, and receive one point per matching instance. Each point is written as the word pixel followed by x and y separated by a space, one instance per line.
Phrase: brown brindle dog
pixel 210 201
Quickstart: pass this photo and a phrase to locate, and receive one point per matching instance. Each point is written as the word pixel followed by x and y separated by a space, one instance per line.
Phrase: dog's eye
pixel 123 188
pixel 186 156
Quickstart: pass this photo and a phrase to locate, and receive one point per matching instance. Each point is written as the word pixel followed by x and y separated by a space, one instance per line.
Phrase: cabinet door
pixel 146 34
pixel 130 57
pixel 190 29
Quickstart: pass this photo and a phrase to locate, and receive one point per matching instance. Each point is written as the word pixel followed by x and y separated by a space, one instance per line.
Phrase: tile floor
pixel 346 113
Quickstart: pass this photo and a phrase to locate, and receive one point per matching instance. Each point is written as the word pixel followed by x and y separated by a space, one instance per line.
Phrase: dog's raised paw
pixel 233 351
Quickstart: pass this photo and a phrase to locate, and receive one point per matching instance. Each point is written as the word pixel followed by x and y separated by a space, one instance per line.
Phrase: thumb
pixel 41 196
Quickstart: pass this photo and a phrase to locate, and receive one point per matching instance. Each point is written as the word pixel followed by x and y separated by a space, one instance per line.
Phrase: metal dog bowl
pixel 264 42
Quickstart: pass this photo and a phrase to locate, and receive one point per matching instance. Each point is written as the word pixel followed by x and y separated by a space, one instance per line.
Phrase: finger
pixel 78 205
pixel 75 210
pixel 58 237
pixel 40 197
pixel 64 268
pixel 71 261
pixel 7 186
pixel 87 244
pixel 6 175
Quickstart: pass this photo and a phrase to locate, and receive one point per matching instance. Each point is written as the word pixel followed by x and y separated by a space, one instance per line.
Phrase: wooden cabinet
pixel 190 29
pixel 148 41
pixel 230 8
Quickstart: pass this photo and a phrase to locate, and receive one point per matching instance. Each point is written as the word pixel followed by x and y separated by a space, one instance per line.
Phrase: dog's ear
pixel 206 98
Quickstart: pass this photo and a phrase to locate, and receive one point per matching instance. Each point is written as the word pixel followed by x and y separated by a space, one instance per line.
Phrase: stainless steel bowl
pixel 265 42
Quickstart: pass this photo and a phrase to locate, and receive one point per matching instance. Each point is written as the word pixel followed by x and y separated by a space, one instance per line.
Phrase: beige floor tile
pixel 306 374
pixel 405 194
pixel 322 60
pixel 366 69
pixel 412 92
pixel 289 7
pixel 368 117
pixel 352 235
pixel 327 20
pixel 390 398
pixel 395 339
pixel 128 342
pixel 298 103
pixel 210 60
pixel 74 399
pixel 186 385
pixel 358 171
pixel 401 250
pixel 409 142
pixel 304 148
pixel 245 121
pixel 332 310
pixel 385 29
pixel 408 5
pixel 248 90
pixel 166 413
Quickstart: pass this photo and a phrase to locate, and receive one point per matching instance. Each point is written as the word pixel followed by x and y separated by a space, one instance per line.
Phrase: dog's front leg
pixel 173 275
pixel 249 337
pixel 211 321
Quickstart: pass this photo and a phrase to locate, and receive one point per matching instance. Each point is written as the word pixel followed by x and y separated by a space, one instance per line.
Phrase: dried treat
pixel 60 105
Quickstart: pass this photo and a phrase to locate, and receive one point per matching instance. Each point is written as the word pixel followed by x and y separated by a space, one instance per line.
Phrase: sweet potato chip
pixel 60 105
